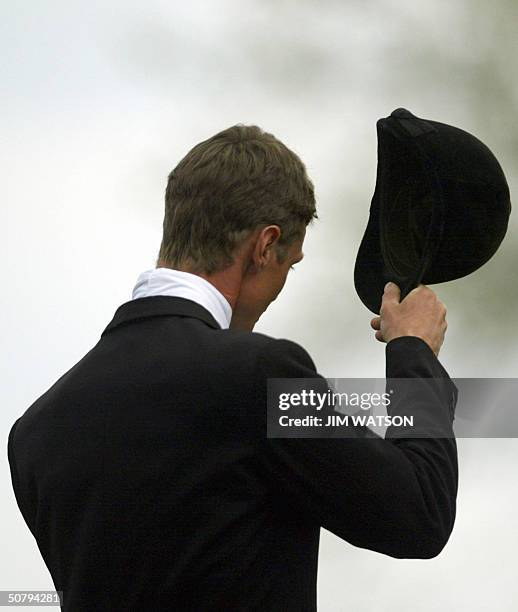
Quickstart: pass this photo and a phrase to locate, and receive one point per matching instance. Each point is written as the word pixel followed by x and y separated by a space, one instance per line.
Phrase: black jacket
pixel 146 477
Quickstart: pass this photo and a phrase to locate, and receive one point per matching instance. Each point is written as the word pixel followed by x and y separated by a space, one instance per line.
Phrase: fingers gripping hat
pixel 440 207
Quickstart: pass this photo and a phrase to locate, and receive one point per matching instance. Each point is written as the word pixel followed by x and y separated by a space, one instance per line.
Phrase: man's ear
pixel 266 244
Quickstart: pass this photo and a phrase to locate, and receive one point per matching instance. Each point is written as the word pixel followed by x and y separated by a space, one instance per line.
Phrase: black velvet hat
pixel 440 207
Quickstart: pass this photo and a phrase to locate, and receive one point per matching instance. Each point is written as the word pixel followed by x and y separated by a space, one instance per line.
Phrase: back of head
pixel 225 187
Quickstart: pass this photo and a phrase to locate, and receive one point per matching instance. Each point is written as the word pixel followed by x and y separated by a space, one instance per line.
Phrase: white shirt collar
pixel 165 281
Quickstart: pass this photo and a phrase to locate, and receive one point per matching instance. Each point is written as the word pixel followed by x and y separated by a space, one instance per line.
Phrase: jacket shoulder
pixel 276 357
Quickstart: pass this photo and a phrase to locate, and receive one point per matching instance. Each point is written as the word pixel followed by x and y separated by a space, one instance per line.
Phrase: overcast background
pixel 102 99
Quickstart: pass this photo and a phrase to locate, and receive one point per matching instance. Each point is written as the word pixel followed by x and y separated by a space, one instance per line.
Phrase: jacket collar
pixel 159 306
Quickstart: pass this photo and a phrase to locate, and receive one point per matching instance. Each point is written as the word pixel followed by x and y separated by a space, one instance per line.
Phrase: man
pixel 145 473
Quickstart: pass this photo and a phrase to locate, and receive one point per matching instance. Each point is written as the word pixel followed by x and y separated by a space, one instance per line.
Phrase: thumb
pixel 392 293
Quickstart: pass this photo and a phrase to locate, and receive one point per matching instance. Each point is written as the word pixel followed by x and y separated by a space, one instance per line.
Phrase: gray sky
pixel 101 100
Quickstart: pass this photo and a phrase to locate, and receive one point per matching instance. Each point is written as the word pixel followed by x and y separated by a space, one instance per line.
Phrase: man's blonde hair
pixel 224 188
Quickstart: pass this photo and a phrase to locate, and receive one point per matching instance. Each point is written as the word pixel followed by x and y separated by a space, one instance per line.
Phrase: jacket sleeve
pixel 393 495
